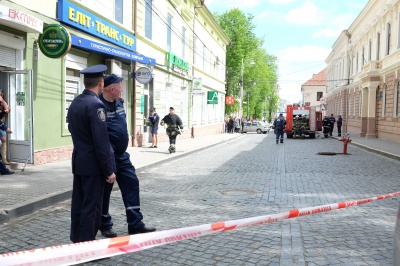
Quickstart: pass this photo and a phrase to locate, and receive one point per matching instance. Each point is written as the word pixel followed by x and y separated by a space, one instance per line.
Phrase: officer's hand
pixel 111 178
pixel 8 131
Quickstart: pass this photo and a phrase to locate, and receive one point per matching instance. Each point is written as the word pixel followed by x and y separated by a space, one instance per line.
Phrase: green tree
pixel 260 79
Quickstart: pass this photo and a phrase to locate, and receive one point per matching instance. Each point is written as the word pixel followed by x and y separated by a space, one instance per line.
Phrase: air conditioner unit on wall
pixel 114 67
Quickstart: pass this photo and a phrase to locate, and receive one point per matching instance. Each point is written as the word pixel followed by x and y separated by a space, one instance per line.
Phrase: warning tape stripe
pixel 71 254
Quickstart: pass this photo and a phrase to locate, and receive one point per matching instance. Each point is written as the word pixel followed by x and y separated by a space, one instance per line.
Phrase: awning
pixel 86 44
pixel 20 20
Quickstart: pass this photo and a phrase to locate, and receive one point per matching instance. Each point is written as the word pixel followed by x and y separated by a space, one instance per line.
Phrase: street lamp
pixel 252 63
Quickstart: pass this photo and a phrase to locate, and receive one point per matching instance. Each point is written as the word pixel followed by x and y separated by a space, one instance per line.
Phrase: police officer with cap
pixel 93 160
pixel 127 180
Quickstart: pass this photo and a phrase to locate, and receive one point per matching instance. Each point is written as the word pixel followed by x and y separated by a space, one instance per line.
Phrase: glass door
pixel 20 119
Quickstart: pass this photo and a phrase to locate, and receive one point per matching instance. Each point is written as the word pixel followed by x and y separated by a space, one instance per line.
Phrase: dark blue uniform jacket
pixel 116 125
pixel 93 154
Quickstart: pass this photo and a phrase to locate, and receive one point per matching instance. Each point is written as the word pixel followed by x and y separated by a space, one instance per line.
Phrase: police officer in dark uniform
pixel 279 128
pixel 93 160
pixel 127 180
pixel 174 123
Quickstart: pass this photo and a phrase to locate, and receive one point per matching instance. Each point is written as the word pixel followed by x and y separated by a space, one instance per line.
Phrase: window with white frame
pixel 388 36
pixel 396 99
pixel 183 43
pixel 119 14
pixel 369 50
pixel 357 62
pixel 148 19
pixel 384 98
pixel 363 57
pixel 378 45
pixel 169 32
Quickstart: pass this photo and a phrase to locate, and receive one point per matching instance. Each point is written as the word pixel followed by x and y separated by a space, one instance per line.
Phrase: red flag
pixel 229 100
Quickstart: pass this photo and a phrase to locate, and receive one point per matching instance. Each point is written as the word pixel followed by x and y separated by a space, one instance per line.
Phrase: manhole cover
pixel 237 192
pixel 327 153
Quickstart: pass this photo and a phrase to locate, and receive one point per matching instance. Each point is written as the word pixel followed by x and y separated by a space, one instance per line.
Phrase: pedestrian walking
pixel 92 158
pixel 174 123
pixel 127 179
pixel 279 128
pixel 332 121
pixel 154 119
pixel 339 125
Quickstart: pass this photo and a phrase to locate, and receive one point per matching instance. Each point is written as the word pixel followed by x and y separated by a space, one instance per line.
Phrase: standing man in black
pixel 93 160
pixel 174 123
pixel 339 126
pixel 279 128
pixel 332 121
pixel 127 180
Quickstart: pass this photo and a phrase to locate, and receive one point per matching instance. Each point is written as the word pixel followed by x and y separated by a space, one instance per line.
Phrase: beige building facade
pixel 314 91
pixel 363 73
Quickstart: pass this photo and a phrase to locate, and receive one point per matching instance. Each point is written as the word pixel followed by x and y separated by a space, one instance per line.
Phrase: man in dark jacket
pixel 93 160
pixel 279 128
pixel 339 126
pixel 174 123
pixel 332 121
pixel 127 179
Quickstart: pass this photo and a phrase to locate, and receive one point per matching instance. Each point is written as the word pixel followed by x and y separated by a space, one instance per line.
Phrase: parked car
pixel 256 126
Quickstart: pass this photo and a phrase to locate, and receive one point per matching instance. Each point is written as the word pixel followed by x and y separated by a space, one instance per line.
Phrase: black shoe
pixel 144 229
pixel 109 233
pixel 8 173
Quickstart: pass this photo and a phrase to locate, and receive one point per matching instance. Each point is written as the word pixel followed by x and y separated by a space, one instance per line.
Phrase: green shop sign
pixel 173 60
pixel 55 41
pixel 212 97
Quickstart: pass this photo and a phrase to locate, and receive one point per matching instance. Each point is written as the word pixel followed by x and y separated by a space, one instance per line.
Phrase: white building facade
pixel 363 72
pixel 190 49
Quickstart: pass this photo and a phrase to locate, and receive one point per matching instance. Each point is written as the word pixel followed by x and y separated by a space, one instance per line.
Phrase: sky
pixel 300 33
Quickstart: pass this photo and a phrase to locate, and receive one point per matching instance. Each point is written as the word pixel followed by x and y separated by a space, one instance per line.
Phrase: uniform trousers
pixel 87 199
pixel 279 134
pixel 128 184
pixel 172 134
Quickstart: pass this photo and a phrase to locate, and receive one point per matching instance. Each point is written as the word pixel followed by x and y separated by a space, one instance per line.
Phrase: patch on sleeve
pixel 101 113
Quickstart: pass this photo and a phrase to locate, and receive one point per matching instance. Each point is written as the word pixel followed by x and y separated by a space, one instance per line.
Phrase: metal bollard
pixel 192 132
pixel 346 140
pixel 139 138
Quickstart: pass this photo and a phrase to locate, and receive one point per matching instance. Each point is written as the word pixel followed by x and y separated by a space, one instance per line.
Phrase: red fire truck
pixel 314 119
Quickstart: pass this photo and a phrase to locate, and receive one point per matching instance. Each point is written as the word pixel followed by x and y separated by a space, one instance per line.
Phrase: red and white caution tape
pixel 71 254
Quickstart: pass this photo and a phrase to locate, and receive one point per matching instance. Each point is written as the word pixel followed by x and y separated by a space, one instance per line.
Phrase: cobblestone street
pixel 246 177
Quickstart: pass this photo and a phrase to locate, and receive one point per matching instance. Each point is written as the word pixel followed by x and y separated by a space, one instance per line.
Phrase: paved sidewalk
pixel 39 186
pixel 43 185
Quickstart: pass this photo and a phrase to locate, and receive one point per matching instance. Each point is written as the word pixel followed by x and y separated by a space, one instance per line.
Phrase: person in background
pixel 279 128
pixel 4 110
pixel 339 126
pixel 332 121
pixel 154 120
pixel 174 123
pixel 93 160
pixel 127 179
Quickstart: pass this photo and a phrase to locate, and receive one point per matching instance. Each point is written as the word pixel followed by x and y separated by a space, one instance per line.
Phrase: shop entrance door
pixel 20 119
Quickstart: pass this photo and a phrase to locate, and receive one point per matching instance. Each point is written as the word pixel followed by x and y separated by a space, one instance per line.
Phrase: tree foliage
pixel 259 80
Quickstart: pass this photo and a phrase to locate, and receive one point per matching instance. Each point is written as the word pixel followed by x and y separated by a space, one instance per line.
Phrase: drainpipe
pixel 134 80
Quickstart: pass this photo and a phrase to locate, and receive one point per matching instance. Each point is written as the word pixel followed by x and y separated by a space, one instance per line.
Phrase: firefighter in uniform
pixel 93 160
pixel 174 123
pixel 327 125
pixel 303 126
pixel 127 179
pixel 296 127
pixel 279 128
